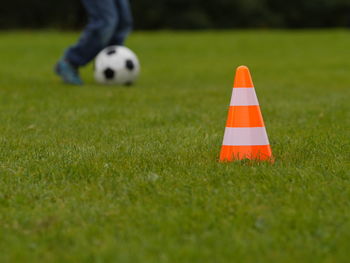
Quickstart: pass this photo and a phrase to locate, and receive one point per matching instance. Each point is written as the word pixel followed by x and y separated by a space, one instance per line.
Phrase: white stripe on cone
pixel 245 136
pixel 244 97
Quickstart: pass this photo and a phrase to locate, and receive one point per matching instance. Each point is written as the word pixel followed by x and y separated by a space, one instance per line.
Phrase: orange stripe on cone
pixel 243 138
pixel 254 152
pixel 244 116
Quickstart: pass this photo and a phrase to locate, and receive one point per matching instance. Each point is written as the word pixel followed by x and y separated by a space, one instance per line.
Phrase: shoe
pixel 68 73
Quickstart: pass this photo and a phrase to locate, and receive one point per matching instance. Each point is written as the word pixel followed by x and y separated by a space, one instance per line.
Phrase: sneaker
pixel 68 73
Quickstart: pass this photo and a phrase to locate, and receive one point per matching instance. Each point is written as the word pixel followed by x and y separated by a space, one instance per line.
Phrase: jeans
pixel 110 21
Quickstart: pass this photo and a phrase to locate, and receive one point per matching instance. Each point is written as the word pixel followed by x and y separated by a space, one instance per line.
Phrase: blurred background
pixel 185 14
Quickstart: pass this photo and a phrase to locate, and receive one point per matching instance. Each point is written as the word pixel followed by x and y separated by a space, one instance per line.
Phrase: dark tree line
pixel 185 14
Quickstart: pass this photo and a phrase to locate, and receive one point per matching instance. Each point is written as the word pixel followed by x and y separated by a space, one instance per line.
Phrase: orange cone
pixel 245 134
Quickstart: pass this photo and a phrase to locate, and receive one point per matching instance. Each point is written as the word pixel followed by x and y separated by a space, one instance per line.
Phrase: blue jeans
pixel 110 21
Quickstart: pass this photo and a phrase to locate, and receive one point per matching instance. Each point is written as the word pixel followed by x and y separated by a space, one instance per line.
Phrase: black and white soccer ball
pixel 116 65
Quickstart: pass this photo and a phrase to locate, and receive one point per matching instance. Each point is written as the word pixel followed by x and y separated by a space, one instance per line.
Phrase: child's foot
pixel 68 73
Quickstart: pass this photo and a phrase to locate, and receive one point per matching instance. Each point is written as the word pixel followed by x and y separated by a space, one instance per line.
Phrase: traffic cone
pixel 245 134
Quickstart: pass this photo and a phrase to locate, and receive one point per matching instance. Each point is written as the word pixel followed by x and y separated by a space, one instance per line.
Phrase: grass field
pixel 130 174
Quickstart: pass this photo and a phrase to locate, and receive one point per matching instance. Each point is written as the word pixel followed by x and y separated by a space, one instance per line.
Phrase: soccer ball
pixel 116 65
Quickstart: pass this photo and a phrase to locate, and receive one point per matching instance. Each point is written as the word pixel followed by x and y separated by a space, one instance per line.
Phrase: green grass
pixel 116 174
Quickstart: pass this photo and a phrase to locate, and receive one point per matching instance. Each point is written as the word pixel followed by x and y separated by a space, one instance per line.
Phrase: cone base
pixel 255 152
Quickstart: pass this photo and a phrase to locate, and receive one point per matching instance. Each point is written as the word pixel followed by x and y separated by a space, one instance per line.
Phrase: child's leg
pixel 124 25
pixel 103 20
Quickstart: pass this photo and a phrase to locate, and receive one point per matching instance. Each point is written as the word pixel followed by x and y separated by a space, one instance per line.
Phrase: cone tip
pixel 242 67
pixel 243 78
